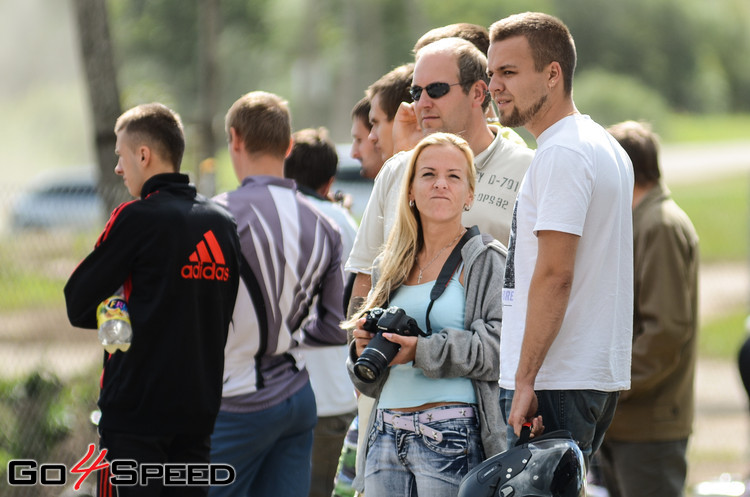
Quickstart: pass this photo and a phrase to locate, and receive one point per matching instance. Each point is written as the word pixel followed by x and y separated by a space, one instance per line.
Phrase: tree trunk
pixel 208 32
pixel 104 97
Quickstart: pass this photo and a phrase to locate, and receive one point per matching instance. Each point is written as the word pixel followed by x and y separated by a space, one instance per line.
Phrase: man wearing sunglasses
pixel 450 94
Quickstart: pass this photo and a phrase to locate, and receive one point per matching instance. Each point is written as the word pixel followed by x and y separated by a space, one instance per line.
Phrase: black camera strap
pixel 447 272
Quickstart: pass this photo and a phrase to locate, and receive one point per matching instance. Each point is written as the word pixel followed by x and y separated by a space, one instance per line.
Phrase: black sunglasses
pixel 434 90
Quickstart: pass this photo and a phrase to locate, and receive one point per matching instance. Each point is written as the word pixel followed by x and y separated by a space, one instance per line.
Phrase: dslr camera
pixel 380 352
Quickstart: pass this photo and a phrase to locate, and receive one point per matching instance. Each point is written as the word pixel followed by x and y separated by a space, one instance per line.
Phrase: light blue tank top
pixel 407 386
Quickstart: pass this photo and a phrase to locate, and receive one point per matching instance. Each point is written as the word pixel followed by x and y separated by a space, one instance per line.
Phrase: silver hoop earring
pixel 411 203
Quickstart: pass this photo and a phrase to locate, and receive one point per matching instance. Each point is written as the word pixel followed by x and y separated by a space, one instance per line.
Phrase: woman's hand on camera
pixel 361 336
pixel 408 350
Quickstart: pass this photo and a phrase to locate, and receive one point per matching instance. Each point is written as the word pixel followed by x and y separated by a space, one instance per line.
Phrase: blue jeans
pixel 586 414
pixel 270 450
pixel 407 464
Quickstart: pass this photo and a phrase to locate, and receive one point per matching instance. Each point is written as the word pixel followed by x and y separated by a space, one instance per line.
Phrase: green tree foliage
pixel 322 54
pixel 691 52
pixel 155 45
pixel 610 98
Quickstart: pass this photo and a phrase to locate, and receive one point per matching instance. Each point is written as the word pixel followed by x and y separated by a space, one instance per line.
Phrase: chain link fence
pixel 49 371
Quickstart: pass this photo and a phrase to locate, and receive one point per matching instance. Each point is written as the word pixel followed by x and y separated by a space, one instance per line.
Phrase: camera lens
pixel 375 358
pixel 365 372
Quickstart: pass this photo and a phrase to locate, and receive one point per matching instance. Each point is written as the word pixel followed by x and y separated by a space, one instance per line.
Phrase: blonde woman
pixel 436 413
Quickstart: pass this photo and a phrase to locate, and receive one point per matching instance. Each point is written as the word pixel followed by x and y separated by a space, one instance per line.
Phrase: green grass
pixel 719 211
pixel 678 128
pixel 34 267
pixel 721 338
pixel 22 291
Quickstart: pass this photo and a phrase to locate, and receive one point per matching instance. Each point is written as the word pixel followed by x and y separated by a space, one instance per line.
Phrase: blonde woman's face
pixel 440 187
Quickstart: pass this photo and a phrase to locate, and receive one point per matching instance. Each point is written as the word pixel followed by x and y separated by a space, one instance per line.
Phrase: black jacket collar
pixel 166 180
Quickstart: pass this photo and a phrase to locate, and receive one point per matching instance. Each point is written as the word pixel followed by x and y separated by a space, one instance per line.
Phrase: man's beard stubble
pixel 519 118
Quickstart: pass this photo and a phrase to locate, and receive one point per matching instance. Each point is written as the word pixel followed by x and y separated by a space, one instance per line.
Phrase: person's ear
pixel 144 155
pixel 234 140
pixel 479 92
pixel 469 201
pixel 554 72
pixel 289 148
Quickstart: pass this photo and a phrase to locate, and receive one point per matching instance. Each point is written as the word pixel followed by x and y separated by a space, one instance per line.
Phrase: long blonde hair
pixel 399 254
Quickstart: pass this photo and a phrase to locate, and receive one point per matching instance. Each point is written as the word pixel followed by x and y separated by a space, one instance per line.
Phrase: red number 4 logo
pixel 96 466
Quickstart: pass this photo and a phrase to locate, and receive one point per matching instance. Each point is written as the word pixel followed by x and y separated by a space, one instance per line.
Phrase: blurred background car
pixel 69 198
pixel 65 198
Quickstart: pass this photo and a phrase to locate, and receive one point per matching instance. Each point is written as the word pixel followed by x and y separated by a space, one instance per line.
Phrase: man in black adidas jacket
pixel 175 253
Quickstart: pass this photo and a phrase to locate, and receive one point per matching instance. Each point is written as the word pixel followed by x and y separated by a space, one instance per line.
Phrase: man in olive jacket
pixel 644 451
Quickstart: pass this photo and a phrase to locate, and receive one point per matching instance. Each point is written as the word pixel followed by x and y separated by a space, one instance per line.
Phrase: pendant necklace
pixel 421 269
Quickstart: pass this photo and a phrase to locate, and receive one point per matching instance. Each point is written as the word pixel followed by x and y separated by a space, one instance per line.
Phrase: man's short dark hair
pixel 393 88
pixel 313 160
pixel 157 126
pixel 361 111
pixel 642 145
pixel 474 33
pixel 263 123
pixel 549 39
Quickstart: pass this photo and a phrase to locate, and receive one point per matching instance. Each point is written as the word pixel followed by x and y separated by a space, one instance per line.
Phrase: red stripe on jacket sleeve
pixel 111 221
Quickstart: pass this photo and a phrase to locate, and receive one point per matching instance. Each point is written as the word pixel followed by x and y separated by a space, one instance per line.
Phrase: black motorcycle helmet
pixel 550 465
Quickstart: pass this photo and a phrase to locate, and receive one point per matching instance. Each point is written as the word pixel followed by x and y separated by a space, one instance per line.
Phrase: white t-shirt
pixel 340 218
pixel 580 182
pixel 334 393
pixel 500 169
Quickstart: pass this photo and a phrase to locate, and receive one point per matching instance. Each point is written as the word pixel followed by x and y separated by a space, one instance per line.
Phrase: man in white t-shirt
pixel 568 294
pixel 449 90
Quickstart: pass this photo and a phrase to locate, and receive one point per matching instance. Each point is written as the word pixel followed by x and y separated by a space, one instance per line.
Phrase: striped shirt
pixel 291 260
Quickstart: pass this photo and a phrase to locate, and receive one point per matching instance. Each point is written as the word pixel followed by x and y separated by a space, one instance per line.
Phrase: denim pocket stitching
pixel 460 437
